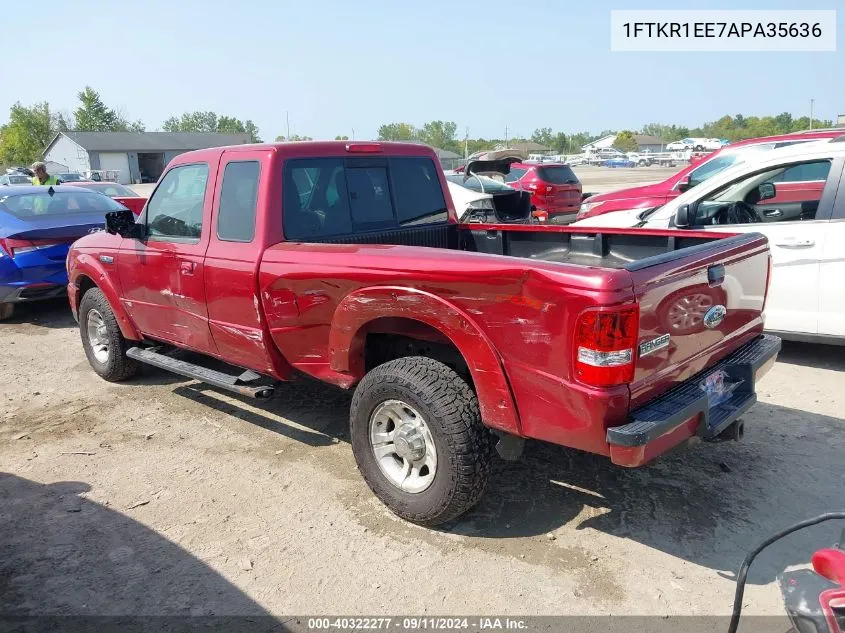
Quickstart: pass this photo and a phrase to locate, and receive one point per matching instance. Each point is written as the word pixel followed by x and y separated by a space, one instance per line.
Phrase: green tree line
pixel 30 128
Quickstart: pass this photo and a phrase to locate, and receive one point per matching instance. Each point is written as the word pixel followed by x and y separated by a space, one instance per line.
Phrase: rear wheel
pixel 102 339
pixel 418 440
pixel 6 311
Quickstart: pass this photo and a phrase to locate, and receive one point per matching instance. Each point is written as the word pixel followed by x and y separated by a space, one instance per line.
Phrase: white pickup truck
pixel 795 196
pixel 697 144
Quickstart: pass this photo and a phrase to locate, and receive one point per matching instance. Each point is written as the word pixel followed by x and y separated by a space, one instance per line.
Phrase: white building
pixel 135 156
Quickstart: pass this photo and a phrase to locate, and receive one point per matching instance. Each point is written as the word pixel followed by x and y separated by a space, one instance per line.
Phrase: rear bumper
pixel 684 411
pixel 22 292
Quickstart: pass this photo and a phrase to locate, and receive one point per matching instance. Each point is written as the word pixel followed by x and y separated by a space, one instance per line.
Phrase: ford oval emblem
pixel 714 316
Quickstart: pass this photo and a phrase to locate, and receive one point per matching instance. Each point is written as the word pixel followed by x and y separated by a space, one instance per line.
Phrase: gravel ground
pixel 162 495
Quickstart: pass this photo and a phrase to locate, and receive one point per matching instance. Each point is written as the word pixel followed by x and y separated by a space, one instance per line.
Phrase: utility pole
pixel 466 142
pixel 287 124
pixel 506 136
pixel 353 133
pixel 811 113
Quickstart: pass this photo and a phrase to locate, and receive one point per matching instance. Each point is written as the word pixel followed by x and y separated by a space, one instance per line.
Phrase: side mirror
pixel 685 185
pixel 682 217
pixel 766 191
pixel 122 223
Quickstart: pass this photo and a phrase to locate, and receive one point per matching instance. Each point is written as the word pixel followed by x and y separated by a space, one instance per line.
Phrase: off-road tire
pixel 464 446
pixel 6 311
pixel 118 366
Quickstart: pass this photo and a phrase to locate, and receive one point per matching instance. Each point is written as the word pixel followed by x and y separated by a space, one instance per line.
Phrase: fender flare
pixel 356 310
pixel 89 266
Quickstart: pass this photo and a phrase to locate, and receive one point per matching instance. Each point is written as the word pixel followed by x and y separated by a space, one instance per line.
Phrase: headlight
pixel 586 206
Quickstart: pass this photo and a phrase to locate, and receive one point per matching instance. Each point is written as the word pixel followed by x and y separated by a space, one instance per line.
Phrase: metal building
pixel 135 156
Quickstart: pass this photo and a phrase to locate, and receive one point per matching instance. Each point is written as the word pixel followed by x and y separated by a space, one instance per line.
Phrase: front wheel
pixel 102 339
pixel 418 440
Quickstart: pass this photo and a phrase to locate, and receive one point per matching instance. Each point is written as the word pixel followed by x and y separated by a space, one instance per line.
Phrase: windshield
pixel 723 161
pixel 19 180
pixel 480 183
pixel 42 204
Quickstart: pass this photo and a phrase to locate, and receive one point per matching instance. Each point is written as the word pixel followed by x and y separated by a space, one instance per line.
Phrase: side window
pixel 417 191
pixel 515 174
pixel 766 197
pixel 315 202
pixel 806 172
pixel 238 199
pixel 175 210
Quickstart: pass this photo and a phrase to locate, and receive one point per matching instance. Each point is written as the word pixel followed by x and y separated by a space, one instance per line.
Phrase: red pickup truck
pixel 343 261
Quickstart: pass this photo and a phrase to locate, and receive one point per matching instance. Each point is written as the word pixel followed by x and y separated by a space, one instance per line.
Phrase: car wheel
pixel 102 339
pixel 6 311
pixel 418 440
pixel 699 148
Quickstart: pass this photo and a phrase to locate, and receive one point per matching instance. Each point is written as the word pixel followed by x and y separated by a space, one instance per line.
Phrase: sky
pixel 335 66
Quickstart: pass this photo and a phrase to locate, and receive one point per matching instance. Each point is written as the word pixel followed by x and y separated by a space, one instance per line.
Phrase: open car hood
pixel 498 166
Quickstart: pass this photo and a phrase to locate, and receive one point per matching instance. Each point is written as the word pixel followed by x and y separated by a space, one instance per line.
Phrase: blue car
pixel 619 162
pixel 37 227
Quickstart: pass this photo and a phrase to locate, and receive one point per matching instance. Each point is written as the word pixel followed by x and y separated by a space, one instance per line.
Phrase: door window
pixel 515 174
pixel 770 196
pixel 174 213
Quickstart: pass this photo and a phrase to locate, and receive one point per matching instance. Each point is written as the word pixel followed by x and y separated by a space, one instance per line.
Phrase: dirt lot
pixel 164 496
pixel 601 179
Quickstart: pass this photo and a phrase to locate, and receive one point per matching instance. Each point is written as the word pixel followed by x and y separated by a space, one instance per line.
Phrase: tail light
pixel 14 247
pixel 540 216
pixel 604 346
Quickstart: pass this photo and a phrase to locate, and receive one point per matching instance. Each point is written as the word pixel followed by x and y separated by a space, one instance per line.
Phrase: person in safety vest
pixel 41 176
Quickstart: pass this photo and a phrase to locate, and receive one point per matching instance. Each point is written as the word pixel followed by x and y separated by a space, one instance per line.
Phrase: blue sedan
pixel 37 227
pixel 619 162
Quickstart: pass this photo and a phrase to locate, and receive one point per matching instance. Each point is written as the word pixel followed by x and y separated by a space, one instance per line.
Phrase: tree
pixel 543 136
pixel 93 115
pixel 397 132
pixel 26 135
pixel 292 138
pixel 341 138
pixel 440 134
pixel 559 143
pixel 209 122
pixel 625 141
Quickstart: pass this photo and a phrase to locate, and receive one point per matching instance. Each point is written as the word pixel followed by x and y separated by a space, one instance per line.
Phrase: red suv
pixel 554 188
pixel 654 195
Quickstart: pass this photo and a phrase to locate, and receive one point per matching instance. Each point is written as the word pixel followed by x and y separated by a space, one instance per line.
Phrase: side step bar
pixel 203 374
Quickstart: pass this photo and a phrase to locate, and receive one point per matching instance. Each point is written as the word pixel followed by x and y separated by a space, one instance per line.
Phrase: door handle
pixel 187 267
pixel 773 213
pixel 794 242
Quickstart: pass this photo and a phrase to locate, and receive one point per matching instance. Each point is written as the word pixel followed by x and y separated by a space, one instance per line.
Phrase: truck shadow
pixel 62 555
pixel 52 314
pixel 707 504
pixel 319 413
pixel 817 356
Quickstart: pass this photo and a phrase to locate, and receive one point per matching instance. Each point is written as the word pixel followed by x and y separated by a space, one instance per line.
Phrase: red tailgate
pixel 697 309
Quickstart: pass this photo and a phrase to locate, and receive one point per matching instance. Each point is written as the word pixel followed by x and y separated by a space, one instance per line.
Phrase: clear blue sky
pixel 336 65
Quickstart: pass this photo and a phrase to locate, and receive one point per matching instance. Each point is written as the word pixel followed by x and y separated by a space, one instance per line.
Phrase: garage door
pixel 118 161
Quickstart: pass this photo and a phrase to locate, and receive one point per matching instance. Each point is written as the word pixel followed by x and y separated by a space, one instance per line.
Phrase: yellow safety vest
pixel 51 180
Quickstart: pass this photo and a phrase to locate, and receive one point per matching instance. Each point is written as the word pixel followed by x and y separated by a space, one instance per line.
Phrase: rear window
pixel 326 197
pixel 60 203
pixel 20 180
pixel 558 175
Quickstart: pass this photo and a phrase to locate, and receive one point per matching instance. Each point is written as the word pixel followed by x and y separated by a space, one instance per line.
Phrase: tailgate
pixel 697 305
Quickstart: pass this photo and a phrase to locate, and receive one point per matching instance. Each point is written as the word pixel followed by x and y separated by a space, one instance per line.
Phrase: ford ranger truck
pixel 344 262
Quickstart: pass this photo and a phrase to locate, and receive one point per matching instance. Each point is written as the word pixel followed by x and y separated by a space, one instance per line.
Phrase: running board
pixel 203 374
